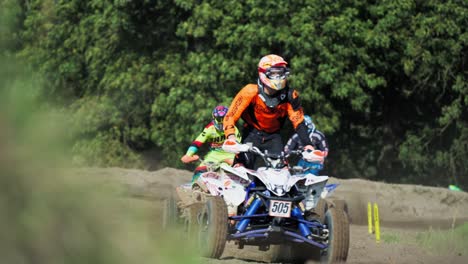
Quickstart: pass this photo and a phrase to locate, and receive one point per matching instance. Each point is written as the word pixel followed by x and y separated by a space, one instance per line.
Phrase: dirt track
pixel 405 210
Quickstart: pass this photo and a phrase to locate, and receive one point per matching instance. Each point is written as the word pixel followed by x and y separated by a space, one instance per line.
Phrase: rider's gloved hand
pixel 311 154
pixel 188 159
pixel 230 144
pixel 238 165
pixel 231 140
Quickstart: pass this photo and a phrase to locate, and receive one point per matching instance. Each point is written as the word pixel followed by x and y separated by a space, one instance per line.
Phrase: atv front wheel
pixel 281 253
pixel 321 209
pixel 342 205
pixel 338 240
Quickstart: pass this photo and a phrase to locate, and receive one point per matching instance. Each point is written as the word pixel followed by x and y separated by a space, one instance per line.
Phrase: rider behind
pixel 318 143
pixel 213 134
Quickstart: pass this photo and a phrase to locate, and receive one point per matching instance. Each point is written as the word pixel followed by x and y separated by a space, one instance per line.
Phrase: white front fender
pixel 240 171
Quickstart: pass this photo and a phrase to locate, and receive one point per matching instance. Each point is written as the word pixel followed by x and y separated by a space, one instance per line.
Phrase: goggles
pixel 219 119
pixel 277 73
pixel 218 122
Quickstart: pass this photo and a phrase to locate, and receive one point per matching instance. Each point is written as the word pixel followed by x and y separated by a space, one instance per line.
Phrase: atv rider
pixel 264 108
pixel 319 142
pixel 213 134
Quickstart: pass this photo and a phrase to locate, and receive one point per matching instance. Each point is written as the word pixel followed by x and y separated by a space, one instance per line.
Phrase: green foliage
pixel 50 215
pixel 10 12
pixel 386 81
pixel 101 65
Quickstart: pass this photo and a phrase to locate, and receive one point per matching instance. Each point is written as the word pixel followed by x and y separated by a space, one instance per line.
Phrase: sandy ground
pixel 405 211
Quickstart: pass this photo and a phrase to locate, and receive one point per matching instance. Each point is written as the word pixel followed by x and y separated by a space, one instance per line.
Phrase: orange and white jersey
pixel 249 105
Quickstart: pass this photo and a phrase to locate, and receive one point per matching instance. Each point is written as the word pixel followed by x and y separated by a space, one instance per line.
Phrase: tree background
pixel 386 81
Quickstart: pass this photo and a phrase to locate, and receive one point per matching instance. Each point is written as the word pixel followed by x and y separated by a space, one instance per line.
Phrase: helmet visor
pixel 218 122
pixel 277 73
pixel 219 119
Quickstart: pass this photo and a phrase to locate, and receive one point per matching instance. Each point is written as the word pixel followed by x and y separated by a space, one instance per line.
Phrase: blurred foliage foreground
pixel 50 216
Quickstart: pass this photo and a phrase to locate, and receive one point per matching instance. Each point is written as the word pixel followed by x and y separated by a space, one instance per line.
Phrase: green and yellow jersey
pixel 212 136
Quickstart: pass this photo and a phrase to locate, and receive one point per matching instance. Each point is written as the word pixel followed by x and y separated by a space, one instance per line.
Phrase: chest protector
pixel 283 96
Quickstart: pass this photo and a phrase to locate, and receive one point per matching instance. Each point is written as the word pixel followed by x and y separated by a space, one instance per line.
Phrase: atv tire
pixel 208 226
pixel 281 253
pixel 170 215
pixel 321 209
pixel 338 240
pixel 342 205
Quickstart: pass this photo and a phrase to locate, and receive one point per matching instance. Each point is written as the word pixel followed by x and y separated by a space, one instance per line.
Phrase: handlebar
pixel 256 150
pixel 294 152
pixel 274 159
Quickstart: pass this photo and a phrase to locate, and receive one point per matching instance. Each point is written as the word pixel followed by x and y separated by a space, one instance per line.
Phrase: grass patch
pixel 453 241
pixel 390 238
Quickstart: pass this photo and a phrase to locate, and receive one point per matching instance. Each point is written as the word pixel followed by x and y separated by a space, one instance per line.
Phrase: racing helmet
pixel 218 115
pixel 273 72
pixel 309 123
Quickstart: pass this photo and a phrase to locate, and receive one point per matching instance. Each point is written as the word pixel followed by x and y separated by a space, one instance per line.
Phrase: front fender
pixel 240 171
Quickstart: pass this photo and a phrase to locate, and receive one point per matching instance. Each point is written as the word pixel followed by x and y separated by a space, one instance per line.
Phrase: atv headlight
pixel 279 189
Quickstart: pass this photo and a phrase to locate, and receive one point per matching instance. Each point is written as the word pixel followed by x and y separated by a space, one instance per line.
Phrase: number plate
pixel 280 208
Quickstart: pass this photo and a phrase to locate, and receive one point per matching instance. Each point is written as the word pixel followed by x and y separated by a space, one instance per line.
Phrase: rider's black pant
pixel 262 140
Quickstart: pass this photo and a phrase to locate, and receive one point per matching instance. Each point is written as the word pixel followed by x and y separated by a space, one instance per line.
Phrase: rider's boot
pixel 195 176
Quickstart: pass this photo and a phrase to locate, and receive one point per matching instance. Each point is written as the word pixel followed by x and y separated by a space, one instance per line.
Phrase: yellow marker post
pixel 376 223
pixel 369 217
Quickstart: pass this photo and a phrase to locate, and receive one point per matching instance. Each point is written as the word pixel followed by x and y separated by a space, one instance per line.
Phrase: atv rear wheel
pixel 209 226
pixel 170 215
